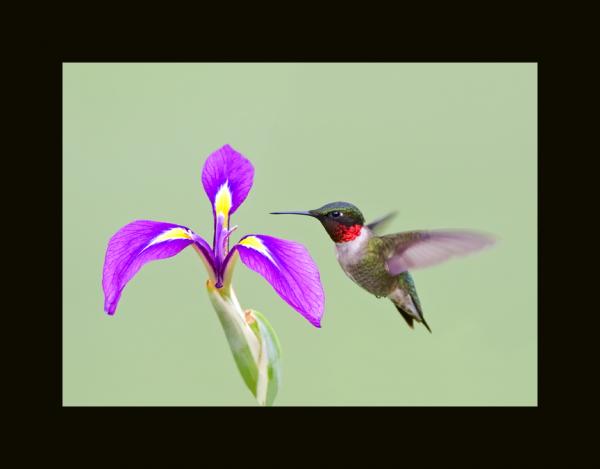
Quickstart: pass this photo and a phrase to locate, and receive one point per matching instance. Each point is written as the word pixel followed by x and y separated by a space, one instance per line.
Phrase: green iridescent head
pixel 340 212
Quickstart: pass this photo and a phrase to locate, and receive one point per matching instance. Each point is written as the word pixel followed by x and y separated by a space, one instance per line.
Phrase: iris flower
pixel 227 177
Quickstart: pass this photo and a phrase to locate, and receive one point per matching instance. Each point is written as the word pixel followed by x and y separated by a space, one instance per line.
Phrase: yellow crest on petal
pixel 223 202
pixel 255 243
pixel 171 234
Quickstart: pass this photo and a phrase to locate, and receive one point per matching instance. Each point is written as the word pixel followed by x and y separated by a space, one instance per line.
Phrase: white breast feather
pixel 350 252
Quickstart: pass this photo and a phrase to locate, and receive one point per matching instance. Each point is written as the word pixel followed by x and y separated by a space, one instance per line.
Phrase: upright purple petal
pixel 290 270
pixel 137 243
pixel 227 178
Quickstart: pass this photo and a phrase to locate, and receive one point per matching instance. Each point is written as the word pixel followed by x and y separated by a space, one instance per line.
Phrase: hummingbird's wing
pixel 416 249
pixel 376 225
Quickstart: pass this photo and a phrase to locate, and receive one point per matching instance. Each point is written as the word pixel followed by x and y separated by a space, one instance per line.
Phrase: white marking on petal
pixel 170 235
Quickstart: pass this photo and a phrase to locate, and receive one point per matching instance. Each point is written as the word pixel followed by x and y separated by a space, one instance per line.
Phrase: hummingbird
pixel 381 264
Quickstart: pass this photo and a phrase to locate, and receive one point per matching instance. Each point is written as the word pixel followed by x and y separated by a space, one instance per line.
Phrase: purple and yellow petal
pixel 290 270
pixel 136 244
pixel 227 178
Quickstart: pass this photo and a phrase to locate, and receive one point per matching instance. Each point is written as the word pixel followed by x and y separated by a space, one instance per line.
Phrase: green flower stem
pixel 252 341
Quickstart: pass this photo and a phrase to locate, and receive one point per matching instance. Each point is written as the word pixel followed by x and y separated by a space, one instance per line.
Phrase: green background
pixel 447 145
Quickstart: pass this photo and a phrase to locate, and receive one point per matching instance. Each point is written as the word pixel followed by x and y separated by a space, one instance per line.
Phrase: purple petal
pixel 137 243
pixel 427 248
pixel 227 170
pixel 290 270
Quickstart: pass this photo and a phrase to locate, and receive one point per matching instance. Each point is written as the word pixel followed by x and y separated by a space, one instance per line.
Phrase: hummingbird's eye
pixel 336 214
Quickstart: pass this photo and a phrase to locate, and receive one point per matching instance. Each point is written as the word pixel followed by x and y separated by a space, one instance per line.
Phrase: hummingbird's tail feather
pixel 407 317
pixel 425 324
pixel 406 300
pixel 410 317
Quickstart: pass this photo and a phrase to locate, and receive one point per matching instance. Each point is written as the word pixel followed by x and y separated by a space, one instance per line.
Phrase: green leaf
pixel 271 348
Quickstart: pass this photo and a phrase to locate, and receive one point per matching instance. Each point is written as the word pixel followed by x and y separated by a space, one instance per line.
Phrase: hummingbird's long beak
pixel 294 213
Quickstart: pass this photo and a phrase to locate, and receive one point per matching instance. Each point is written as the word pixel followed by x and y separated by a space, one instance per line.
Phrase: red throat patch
pixel 344 233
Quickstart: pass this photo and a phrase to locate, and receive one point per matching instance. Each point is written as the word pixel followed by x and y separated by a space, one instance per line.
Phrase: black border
pixel 501 428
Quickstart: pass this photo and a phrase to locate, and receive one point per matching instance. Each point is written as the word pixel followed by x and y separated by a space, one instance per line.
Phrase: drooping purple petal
pixel 227 179
pixel 418 249
pixel 140 242
pixel 290 270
